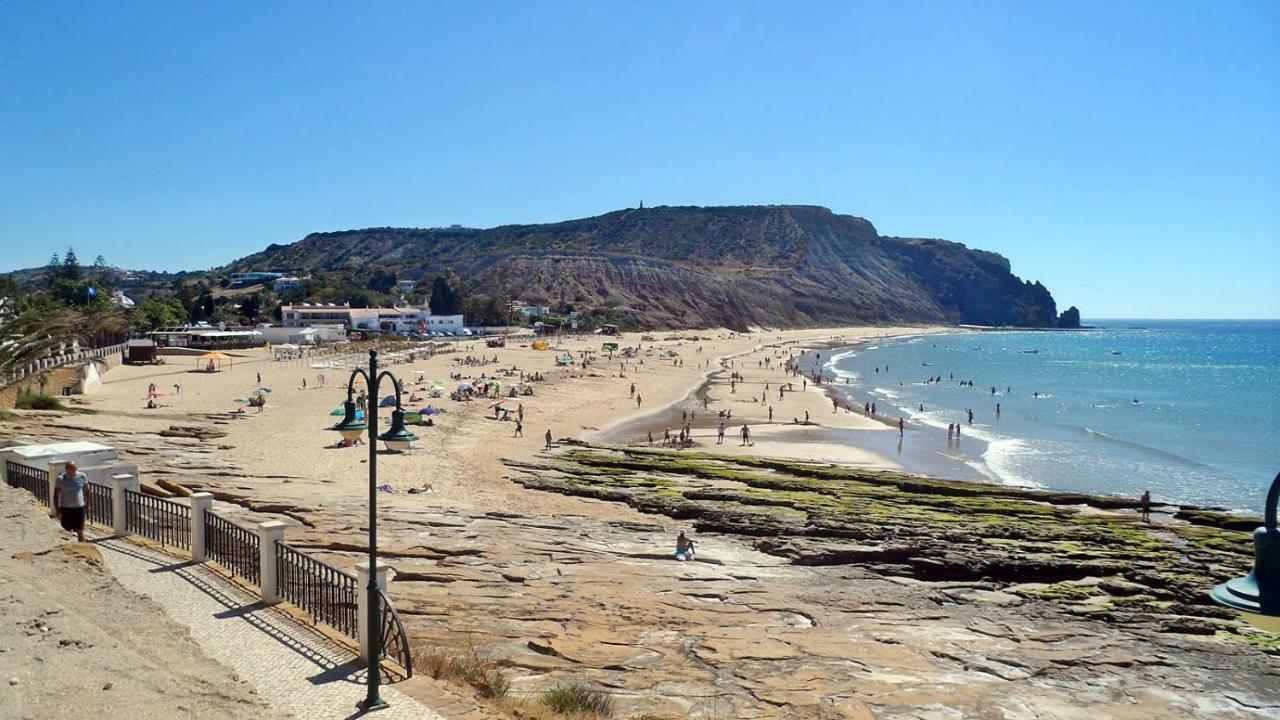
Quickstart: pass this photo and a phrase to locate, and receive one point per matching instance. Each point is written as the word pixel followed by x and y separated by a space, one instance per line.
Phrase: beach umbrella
pixel 154 393
pixel 338 412
pixel 245 401
pixel 430 411
pixel 264 389
pixel 413 417
pixel 388 401
pixel 464 386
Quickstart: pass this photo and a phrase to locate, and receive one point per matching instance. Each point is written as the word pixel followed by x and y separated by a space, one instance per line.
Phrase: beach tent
pixel 287 351
pixel 213 359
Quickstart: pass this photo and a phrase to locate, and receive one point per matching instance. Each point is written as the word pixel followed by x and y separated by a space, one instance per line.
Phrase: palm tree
pixel 42 329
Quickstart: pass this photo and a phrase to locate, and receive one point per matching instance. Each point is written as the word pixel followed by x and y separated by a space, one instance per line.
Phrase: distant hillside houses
pixel 393 319
pixel 287 283
pixel 254 277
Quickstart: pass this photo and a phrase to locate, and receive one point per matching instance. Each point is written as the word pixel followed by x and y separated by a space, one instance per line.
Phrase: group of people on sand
pixel 476 361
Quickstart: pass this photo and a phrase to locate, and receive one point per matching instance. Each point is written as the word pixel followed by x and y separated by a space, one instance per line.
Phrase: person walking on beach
pixel 637 400
pixel 951 430
pixel 1145 501
pixel 519 428
pixel 633 389
pixel 835 405
pixel 70 497
pixel 770 413
pixel 650 438
pixel 873 409
pixel 901 425
pixel 720 434
pixel 548 438
pixel 997 409
pixel 259 378
pixel 746 434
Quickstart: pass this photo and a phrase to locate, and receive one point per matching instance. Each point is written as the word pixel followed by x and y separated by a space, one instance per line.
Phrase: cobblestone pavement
pixel 294 667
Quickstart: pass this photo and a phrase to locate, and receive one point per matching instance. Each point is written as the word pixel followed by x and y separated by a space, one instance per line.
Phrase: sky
pixel 1125 154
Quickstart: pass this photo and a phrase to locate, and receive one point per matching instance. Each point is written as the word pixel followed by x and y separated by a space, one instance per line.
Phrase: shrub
pixel 578 698
pixel 28 400
pixel 471 665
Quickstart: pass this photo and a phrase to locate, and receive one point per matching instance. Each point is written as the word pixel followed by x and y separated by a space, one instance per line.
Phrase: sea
pixel 1187 409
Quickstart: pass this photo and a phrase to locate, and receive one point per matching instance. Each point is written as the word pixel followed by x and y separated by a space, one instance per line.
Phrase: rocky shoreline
pixel 1070 549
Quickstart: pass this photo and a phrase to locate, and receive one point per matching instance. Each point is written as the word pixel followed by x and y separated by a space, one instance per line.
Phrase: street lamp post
pixel 1257 596
pixel 397 439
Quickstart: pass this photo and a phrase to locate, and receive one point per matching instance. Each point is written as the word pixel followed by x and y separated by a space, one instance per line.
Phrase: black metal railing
pixel 395 642
pixel 33 480
pixel 325 592
pixel 234 547
pixel 100 509
pixel 165 521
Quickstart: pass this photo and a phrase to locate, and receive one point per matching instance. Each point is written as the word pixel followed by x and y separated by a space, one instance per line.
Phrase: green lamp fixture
pixel 350 428
pixel 398 437
pixel 1257 596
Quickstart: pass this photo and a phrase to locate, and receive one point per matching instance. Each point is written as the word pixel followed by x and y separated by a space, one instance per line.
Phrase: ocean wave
pixel 1000 458
pixel 886 393
pixel 1158 452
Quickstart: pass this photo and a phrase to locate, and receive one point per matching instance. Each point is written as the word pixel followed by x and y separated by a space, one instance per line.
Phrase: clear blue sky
pixel 1125 154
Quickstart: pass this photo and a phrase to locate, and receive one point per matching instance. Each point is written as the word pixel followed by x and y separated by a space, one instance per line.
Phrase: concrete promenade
pixel 294 667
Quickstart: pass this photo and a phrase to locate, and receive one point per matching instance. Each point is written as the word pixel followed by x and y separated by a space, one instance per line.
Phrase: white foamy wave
pixel 841 356
pixel 1002 458
pixel 886 393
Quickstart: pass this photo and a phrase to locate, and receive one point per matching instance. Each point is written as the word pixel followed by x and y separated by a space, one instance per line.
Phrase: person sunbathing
pixel 684 547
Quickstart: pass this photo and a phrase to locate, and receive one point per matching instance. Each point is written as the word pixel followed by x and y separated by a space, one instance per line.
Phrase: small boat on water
pixel 1116 352
pixel 1030 352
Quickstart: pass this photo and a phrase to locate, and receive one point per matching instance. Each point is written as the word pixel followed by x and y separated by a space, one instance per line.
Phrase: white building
pixel 395 319
pixel 253 278
pixel 535 311
pixel 406 286
pixel 314 335
pixel 285 284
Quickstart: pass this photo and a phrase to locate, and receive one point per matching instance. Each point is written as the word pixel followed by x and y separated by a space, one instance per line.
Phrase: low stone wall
pixel 55 380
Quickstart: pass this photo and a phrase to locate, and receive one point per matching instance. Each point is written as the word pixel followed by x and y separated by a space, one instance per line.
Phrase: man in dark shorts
pixel 70 497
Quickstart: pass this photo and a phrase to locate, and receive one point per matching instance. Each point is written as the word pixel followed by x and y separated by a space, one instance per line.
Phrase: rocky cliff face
pixel 775 266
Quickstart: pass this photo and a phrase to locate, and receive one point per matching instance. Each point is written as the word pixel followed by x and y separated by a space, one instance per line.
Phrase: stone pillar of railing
pixel 55 469
pixel 119 503
pixel 385 574
pixel 201 503
pixel 269 533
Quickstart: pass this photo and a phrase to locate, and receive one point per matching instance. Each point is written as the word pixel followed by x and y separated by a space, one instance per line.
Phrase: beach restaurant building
pixel 204 337
pixel 393 319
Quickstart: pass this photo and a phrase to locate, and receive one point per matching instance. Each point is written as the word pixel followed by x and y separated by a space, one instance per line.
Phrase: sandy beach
pixel 288 445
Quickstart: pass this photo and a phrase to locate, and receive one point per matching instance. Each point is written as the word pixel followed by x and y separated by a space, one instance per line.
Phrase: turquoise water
pixel 1205 428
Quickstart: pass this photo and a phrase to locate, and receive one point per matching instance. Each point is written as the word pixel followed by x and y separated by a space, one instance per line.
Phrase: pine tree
pixel 71 269
pixel 102 272
pixel 52 270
